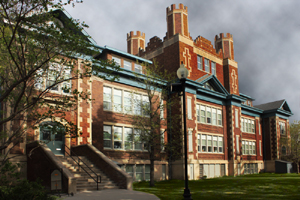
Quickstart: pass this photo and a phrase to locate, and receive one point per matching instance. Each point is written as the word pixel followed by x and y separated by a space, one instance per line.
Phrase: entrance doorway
pixel 52 133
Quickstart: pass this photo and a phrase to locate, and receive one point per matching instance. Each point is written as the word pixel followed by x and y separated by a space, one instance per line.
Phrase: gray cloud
pixel 265 32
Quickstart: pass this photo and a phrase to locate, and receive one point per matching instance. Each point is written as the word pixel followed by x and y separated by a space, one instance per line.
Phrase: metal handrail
pixel 78 163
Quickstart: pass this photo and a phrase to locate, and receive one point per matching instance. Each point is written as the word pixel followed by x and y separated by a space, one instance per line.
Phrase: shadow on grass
pixel 258 186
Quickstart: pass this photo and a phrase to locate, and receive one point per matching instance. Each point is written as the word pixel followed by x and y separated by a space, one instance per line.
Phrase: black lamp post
pixel 182 74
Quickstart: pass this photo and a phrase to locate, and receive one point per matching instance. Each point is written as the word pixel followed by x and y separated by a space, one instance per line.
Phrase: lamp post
pixel 182 74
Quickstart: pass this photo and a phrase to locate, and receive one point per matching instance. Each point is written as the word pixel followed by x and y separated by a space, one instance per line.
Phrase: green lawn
pixel 256 186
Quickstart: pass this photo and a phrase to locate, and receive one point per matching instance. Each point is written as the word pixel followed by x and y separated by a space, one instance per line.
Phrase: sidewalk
pixel 111 194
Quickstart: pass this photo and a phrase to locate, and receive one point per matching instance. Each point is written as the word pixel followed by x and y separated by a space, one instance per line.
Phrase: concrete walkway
pixel 111 194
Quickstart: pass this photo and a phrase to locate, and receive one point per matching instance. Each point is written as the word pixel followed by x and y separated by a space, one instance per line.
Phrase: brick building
pixel 227 134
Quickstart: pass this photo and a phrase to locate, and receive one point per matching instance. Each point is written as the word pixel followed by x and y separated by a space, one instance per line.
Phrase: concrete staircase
pixel 84 181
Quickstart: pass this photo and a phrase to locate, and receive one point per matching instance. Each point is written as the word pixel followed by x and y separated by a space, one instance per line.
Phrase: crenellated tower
pixel 135 42
pixel 177 21
pixel 226 44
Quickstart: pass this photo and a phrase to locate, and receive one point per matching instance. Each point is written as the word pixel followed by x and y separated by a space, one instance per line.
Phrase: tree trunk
pixel 152 173
pixel 298 167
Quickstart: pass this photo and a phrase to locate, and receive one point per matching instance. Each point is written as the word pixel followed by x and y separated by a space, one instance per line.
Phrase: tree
pixel 290 145
pixel 149 113
pixel 40 49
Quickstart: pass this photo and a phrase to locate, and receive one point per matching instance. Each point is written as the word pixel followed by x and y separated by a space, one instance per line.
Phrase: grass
pixel 255 186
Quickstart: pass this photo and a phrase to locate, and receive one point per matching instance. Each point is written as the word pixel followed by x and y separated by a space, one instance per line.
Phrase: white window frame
pixel 248 125
pixel 216 143
pixel 124 141
pixel 213 68
pixel 206 64
pixel 249 147
pixel 199 62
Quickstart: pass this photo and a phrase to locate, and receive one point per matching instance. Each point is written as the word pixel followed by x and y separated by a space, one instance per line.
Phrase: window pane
pixel 118 137
pixel 146 106
pixel 209 143
pixel 206 62
pixel 107 136
pixel 147 172
pixel 219 112
pixel 127 65
pixel 107 98
pixel 137 104
pixel 198 113
pixel 208 115
pixel 220 144
pixel 203 143
pixel 127 102
pixel 215 144
pixel 214 116
pixel 128 138
pixel 203 115
pixel 138 68
pixel 117 60
pixel 137 140
pixel 117 100
pixel 199 62
pixel 139 172
pixel 213 68
pixel 129 169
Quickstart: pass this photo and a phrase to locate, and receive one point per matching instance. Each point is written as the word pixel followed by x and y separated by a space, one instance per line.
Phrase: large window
pixel 210 143
pixel 118 100
pixel 56 78
pixel 248 125
pixel 282 128
pixel 249 147
pixel 122 138
pixel 209 115
pixel 138 172
pixel 250 168
pixel 199 62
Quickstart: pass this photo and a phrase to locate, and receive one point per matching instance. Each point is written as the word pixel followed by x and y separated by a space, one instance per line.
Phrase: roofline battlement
pixel 228 36
pixel 173 8
pixel 138 34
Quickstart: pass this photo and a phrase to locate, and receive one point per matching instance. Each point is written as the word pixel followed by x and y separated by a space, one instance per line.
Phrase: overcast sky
pixel 266 36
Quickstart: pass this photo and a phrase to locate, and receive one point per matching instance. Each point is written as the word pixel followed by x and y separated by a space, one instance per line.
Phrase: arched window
pixel 283 150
